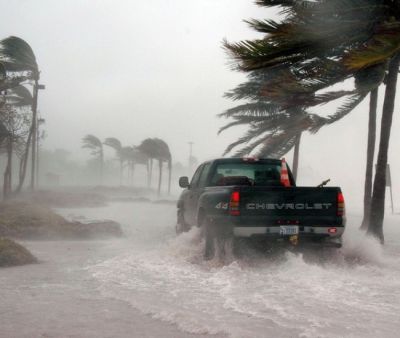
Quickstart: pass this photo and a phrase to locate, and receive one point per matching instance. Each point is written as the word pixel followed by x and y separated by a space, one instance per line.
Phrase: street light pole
pixel 190 154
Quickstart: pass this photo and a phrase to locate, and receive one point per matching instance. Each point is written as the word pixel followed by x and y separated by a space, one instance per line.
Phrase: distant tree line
pixel 316 45
pixel 149 150
pixel 18 110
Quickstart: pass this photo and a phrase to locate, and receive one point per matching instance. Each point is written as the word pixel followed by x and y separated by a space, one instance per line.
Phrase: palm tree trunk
pixel 148 172
pixel 8 171
pixel 373 102
pixel 121 171
pixel 101 166
pixel 34 126
pixel 24 162
pixel 169 175
pixel 295 165
pixel 151 171
pixel 159 176
pixel 132 173
pixel 378 196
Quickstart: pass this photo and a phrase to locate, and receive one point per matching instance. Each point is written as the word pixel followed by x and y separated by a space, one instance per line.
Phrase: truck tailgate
pixel 294 205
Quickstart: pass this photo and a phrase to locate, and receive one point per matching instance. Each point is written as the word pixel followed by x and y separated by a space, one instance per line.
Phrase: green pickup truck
pixel 247 198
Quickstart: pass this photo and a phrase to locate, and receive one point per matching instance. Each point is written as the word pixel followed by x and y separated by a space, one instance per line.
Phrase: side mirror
pixel 184 182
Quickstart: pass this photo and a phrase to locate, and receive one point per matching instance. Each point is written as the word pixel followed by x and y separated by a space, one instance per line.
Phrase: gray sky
pixel 132 69
pixel 155 68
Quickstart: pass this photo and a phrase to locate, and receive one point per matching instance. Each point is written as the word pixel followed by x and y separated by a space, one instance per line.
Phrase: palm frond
pixel 18 55
pixel 114 143
pixel 93 143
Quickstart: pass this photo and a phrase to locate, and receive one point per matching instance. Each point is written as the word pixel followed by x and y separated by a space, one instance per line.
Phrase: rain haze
pixel 113 255
pixel 133 70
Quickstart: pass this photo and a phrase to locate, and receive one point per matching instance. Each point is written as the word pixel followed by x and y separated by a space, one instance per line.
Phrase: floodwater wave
pixel 356 293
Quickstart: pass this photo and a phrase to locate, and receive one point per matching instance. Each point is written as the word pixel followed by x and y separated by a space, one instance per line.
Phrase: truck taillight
pixel 340 204
pixel 234 204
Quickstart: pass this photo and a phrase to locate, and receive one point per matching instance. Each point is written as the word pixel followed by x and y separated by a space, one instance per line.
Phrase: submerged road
pixel 154 284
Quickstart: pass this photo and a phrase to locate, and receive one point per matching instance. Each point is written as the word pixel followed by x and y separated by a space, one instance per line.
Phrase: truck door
pixel 188 205
pixel 196 191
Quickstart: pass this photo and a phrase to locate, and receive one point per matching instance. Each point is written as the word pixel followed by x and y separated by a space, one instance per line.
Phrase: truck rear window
pixel 258 174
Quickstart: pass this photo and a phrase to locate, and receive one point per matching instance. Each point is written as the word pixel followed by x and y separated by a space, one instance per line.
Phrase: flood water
pixel 163 277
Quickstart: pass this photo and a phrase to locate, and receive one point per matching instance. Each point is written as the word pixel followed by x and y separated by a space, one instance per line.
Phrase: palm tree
pixel 155 148
pixel 20 98
pixel 150 149
pixel 16 125
pixel 17 56
pixel 96 146
pixel 370 158
pixel 362 35
pixel 133 156
pixel 115 144
pixel 278 91
pixel 377 210
pixel 164 155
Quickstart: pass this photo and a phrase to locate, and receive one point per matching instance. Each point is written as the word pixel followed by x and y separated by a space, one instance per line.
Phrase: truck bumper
pixel 309 234
pixel 275 230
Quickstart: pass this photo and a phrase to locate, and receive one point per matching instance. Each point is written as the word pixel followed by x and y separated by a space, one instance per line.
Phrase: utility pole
pixel 190 154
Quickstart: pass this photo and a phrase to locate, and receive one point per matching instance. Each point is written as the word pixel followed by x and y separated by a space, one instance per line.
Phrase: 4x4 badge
pixel 222 205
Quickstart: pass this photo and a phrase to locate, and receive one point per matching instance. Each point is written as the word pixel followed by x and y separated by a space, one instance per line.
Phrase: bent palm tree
pixel 94 144
pixel 361 35
pixel 164 155
pixel 17 57
pixel 150 149
pixel 20 97
pixel 115 144
pixel 155 148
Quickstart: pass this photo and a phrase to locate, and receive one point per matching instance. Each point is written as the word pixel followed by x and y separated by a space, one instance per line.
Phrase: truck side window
pixel 204 175
pixel 195 179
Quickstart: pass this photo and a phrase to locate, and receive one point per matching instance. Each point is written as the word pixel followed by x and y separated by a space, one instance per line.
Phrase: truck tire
pixel 218 239
pixel 181 225
pixel 209 240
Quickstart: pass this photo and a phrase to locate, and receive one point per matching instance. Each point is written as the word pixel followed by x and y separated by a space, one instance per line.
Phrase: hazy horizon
pixel 157 69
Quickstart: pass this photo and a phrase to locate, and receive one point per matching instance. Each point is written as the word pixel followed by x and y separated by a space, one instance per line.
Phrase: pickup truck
pixel 246 198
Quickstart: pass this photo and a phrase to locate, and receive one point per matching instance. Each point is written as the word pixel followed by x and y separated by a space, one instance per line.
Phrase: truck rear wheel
pixel 218 240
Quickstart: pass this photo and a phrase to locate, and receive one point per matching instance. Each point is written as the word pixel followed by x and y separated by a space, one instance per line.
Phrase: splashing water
pixel 354 294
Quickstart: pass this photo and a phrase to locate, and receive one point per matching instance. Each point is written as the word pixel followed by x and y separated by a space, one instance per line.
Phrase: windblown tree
pixel 19 61
pixel 274 105
pixel 132 156
pixel 16 125
pixel 358 37
pixel 164 155
pixel 115 144
pixel 21 99
pixel 150 149
pixel 157 149
pixel 273 130
pixel 127 156
pixel 95 146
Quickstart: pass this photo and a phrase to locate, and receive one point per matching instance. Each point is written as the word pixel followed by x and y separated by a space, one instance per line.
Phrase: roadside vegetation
pixel 23 220
pixel 12 254
pixel 293 68
pixel 19 87
pixel 148 151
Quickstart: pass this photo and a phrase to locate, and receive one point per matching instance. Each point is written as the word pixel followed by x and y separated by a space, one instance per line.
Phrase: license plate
pixel 288 230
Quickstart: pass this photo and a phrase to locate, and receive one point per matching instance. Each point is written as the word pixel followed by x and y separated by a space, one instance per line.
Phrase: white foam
pixel 356 294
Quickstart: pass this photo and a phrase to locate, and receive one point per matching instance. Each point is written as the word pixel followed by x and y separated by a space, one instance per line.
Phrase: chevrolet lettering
pixel 287 206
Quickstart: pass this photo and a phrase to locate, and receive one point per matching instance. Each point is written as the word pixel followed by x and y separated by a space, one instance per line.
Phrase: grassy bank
pixel 25 220
pixel 13 254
